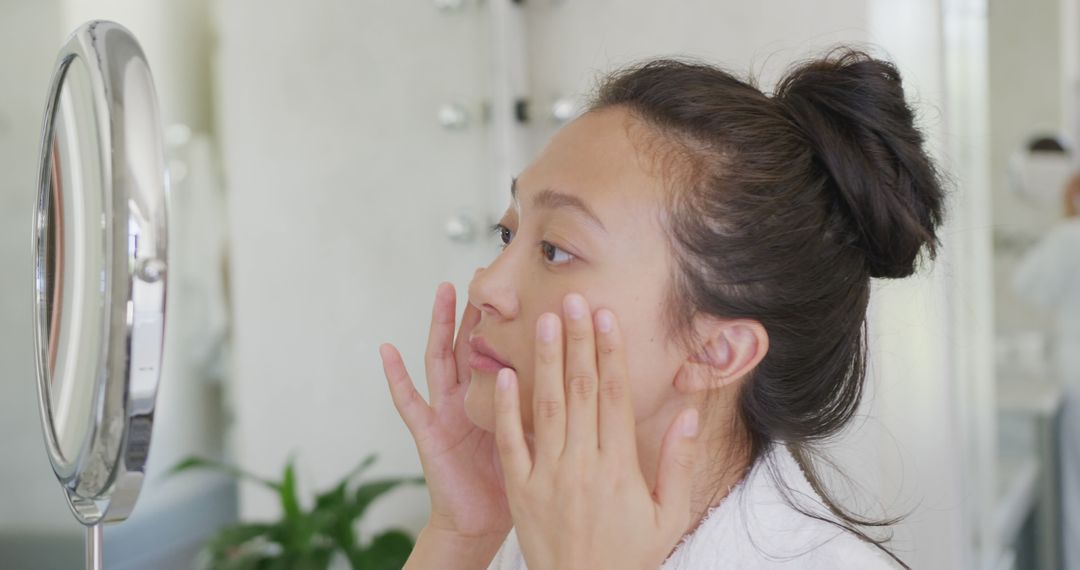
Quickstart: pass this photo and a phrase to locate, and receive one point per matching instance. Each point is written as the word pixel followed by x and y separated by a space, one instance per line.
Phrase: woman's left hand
pixel 580 500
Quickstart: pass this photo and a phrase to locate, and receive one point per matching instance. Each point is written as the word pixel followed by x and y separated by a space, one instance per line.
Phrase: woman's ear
pixel 730 351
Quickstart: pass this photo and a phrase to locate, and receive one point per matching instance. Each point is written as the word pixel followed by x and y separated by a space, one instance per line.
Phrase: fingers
pixel 616 408
pixel 509 435
pixel 409 403
pixel 679 455
pixel 439 356
pixel 461 345
pixel 549 397
pixel 581 376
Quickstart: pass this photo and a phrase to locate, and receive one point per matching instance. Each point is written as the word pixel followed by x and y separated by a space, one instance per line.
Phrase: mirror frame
pixel 103 480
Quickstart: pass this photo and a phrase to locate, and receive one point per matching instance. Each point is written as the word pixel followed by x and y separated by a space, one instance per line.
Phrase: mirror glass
pixel 74 280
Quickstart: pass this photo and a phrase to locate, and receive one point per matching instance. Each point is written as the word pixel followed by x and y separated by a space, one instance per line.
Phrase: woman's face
pixel 585 218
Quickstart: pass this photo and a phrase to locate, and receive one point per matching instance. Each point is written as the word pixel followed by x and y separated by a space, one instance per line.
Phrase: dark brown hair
pixel 781 210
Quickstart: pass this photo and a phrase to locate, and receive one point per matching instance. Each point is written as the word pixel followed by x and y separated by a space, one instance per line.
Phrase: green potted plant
pixel 306 539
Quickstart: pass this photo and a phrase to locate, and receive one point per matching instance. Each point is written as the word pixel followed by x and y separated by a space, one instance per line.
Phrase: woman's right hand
pixel 459 459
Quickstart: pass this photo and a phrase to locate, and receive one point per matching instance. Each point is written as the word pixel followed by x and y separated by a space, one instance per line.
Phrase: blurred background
pixel 333 160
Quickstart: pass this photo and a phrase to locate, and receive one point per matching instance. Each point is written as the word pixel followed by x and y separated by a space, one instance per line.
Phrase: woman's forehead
pixel 596 158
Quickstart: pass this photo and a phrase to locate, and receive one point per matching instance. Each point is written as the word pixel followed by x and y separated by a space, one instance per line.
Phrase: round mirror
pixel 99 273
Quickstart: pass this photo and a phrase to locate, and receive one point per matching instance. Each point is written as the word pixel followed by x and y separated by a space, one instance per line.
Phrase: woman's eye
pixel 504 233
pixel 552 253
pixel 555 255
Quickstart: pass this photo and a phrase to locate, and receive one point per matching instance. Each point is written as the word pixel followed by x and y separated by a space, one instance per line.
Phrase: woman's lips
pixel 483 357
pixel 485 363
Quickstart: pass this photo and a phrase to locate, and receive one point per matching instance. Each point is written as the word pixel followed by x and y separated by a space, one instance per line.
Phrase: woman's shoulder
pixel 757 527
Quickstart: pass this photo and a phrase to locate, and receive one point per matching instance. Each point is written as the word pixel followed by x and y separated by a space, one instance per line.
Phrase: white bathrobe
pixel 755 528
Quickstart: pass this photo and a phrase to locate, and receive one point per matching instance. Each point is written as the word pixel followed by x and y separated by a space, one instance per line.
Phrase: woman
pixel 1048 276
pixel 722 242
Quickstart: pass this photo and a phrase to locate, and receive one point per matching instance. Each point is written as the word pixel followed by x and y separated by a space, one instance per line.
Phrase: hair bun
pixel 851 109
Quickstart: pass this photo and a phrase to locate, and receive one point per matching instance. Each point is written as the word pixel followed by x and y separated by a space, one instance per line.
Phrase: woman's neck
pixel 724 466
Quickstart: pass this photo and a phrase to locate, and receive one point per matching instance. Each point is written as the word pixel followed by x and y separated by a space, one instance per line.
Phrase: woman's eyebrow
pixel 551 199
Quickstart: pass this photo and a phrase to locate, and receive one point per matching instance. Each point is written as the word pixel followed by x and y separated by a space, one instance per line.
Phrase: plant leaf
pixel 333 498
pixel 333 511
pixel 290 504
pixel 307 540
pixel 388 551
pixel 300 528
pixel 236 535
pixel 238 547
pixel 364 464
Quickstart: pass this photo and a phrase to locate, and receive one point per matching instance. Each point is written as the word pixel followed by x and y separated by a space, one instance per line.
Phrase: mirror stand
pixel 100 273
pixel 95 555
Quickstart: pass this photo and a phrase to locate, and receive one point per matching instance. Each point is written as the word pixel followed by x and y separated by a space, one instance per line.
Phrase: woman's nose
pixel 492 290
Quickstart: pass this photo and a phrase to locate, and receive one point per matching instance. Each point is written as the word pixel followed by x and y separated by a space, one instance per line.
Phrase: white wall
pixel 29 37
pixel 572 43
pixel 339 181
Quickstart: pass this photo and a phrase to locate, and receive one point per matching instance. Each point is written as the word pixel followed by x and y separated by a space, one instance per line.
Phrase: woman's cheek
pixel 651 376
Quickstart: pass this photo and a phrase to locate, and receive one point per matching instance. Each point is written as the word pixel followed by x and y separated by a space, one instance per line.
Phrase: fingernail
pixel 547 327
pixel 604 320
pixel 503 381
pixel 575 306
pixel 690 424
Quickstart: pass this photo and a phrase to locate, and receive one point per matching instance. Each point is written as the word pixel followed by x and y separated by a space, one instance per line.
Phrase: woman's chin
pixel 480 405
pixel 480 401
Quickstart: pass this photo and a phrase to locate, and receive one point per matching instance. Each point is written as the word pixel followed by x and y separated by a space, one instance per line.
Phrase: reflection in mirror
pixel 75 261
